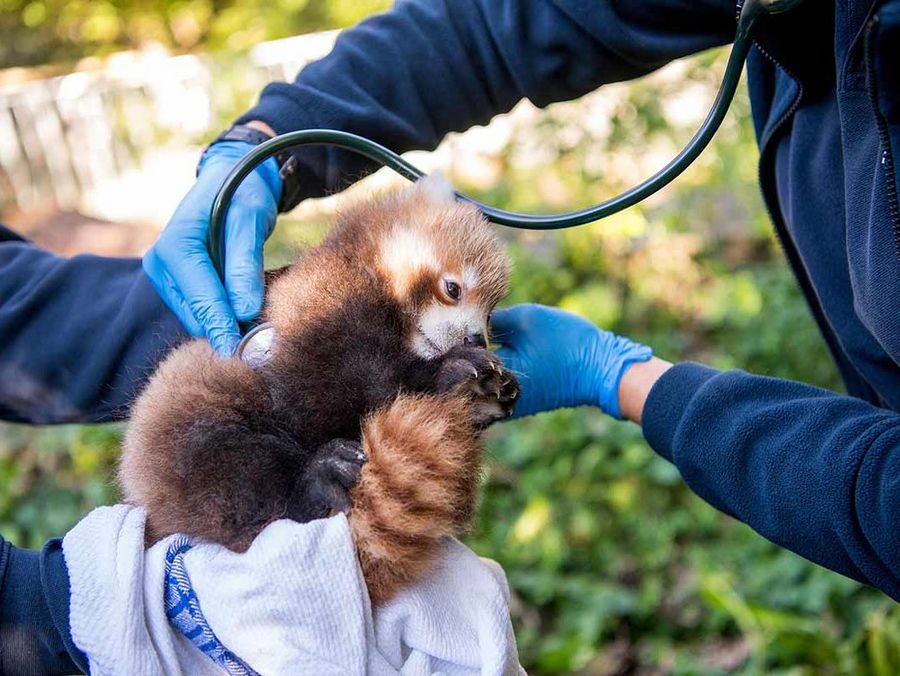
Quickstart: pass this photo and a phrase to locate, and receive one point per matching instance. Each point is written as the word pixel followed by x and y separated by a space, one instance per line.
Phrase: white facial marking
pixel 442 327
pixel 470 278
pixel 403 255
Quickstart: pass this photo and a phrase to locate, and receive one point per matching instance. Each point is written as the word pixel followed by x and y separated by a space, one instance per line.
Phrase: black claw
pixel 477 373
pixel 346 473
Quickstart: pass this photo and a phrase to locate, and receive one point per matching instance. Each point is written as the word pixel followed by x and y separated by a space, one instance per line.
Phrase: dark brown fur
pixel 217 450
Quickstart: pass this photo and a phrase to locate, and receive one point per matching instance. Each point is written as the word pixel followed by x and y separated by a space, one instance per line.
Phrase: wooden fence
pixel 63 136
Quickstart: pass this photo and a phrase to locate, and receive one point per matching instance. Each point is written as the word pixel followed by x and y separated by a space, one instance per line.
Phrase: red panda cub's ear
pixel 435 188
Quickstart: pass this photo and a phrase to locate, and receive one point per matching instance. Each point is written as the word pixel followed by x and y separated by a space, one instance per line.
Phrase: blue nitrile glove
pixel 561 359
pixel 179 265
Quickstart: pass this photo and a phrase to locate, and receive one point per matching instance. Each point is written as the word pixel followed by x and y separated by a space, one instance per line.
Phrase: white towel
pixel 294 603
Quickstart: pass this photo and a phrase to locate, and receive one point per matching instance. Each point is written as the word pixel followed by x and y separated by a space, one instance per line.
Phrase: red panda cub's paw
pixel 478 374
pixel 324 488
pixel 419 485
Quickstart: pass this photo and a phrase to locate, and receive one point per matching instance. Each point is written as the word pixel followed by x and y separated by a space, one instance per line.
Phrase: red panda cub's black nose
pixel 475 339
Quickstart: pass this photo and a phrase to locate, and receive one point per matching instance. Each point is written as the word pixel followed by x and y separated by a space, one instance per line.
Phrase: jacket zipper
pixel 847 369
pixel 776 218
pixel 794 105
pixel 887 157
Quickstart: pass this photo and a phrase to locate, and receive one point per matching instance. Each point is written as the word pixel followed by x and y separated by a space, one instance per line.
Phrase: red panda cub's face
pixel 445 265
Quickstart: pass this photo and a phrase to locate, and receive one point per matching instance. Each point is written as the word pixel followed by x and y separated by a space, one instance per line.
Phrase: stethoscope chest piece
pixel 258 346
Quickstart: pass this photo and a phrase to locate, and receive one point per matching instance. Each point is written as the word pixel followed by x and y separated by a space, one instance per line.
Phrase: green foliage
pixel 614 565
pixel 41 31
pixel 53 476
pixel 613 561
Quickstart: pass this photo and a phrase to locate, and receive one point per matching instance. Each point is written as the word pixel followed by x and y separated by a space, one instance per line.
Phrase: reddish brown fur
pixel 193 392
pixel 217 450
pixel 419 485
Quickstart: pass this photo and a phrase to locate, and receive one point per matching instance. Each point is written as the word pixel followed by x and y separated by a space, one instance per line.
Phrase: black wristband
pixel 287 164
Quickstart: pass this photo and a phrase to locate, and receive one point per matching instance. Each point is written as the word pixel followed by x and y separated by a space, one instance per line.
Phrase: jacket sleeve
pixel 34 612
pixel 408 76
pixel 78 336
pixel 813 471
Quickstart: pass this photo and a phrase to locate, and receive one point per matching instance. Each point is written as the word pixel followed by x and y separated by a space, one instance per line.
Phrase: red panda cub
pixel 372 402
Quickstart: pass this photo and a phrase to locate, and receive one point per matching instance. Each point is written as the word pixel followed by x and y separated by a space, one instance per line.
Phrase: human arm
pixel 636 384
pixel 405 78
pixel 811 470
pixel 34 612
pixel 78 336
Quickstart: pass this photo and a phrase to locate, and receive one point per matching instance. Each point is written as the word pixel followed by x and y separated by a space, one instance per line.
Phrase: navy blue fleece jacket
pixel 812 470
pixel 78 338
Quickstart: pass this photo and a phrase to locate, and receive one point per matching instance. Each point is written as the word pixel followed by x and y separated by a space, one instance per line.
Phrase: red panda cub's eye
pixel 452 289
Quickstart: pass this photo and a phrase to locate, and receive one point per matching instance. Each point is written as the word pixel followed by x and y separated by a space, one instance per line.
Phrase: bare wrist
pixel 261 126
pixel 635 386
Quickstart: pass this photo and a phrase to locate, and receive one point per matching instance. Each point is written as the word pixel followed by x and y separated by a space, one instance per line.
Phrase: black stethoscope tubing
pixel 749 13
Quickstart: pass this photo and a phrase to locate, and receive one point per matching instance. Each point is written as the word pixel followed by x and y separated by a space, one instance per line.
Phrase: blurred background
pixel 615 567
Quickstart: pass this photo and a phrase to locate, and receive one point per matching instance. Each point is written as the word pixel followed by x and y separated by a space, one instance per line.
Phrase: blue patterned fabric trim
pixel 183 611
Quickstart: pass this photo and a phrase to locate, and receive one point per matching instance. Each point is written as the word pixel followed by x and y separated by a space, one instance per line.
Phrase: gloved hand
pixel 562 359
pixel 179 265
